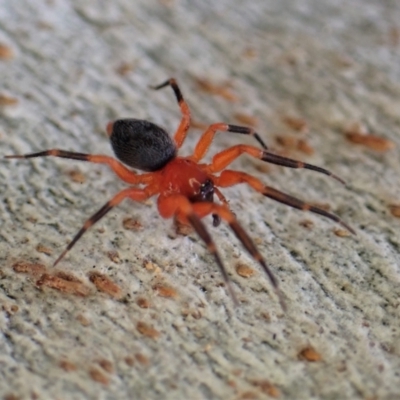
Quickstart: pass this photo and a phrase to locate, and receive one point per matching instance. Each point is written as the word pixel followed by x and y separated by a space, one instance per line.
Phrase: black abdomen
pixel 141 144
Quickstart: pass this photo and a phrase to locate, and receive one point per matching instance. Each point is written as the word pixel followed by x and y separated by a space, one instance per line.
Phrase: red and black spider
pixel 186 187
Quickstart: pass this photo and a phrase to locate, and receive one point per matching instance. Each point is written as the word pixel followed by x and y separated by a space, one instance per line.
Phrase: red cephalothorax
pixel 186 188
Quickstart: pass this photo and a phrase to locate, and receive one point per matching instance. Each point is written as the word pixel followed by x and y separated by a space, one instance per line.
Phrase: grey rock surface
pixel 78 64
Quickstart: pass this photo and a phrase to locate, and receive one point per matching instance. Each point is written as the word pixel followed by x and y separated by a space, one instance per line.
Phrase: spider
pixel 186 187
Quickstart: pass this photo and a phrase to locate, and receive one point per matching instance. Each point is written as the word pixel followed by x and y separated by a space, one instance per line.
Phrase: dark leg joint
pixel 170 82
pixel 247 131
pixel 290 163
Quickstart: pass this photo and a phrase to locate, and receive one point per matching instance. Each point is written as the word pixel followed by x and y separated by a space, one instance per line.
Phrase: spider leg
pixel 119 169
pixel 203 209
pixel 223 200
pixel 132 193
pixel 230 178
pixel 186 212
pixel 222 159
pixel 183 128
pixel 205 141
pixel 181 207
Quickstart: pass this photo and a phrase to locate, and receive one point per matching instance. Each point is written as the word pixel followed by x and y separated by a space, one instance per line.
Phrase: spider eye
pixel 207 190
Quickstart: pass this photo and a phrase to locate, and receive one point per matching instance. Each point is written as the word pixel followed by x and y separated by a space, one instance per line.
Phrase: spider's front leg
pixel 180 207
pixel 119 169
pixel 222 159
pixel 132 193
pixel 207 137
pixel 230 178
pixel 184 125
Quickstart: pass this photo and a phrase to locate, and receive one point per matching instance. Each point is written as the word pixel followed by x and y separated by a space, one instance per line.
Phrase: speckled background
pixel 77 64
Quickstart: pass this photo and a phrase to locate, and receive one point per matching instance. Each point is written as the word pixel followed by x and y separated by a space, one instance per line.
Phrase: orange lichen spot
pixel 266 387
pixel 306 223
pixel 250 52
pixel 257 240
pixel 294 143
pixel 67 276
pixel 106 365
pixel 23 267
pixel 165 291
pixel 131 224
pixel 246 119
pixel 142 302
pixel 394 36
pixel 6 100
pixel 67 365
pixel 309 354
pixel 14 308
pixel 395 210
pixel 11 396
pixel 197 313
pixel 104 284
pixel 295 123
pixel 150 266
pixel 263 168
pixel 231 383
pixel 98 376
pixel 63 285
pixel 344 61
pixel 371 141
pixel 305 147
pixel 248 395
pixel 76 176
pixel 45 26
pixel 114 256
pixel 125 68
pixel 194 313
pixel 84 321
pixel 266 316
pixel 43 249
pixel 223 90
pixel 147 330
pixel 130 361
pixel 286 141
pixel 341 232
pixel 6 52
pixel 290 58
pixel 9 310
pixel 208 347
pixel 142 359
pixel 356 133
pixel 244 270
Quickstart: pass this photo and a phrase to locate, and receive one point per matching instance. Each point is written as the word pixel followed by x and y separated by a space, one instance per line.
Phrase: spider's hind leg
pixel 180 206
